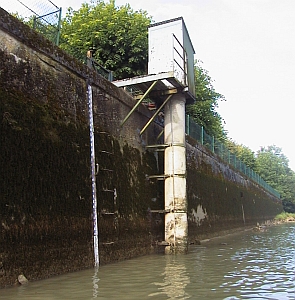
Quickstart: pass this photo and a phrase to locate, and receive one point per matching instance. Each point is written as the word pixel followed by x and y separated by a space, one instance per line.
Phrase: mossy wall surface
pixel 226 198
pixel 45 185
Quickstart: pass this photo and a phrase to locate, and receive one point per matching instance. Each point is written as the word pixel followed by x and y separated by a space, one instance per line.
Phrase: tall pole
pixel 93 178
pixel 176 225
pixel 58 28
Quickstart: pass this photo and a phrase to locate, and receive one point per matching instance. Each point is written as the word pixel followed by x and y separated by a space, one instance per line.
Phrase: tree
pixel 273 166
pixel 243 153
pixel 203 111
pixel 118 36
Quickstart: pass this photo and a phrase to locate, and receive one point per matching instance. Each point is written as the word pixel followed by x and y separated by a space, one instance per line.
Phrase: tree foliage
pixel 118 36
pixel 243 153
pixel 203 111
pixel 273 166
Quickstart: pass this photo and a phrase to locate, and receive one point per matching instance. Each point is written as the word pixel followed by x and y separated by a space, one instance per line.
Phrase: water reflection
pixel 95 281
pixel 245 266
pixel 175 279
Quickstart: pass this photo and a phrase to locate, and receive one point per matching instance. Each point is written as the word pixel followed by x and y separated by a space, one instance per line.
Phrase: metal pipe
pixel 138 102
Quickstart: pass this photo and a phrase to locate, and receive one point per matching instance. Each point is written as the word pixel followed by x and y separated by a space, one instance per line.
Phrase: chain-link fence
pixel 44 16
pixel 198 133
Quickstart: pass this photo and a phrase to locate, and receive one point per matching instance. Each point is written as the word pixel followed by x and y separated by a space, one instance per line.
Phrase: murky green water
pixel 248 265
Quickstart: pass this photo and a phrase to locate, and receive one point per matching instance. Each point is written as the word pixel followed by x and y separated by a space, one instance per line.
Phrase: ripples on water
pixel 242 266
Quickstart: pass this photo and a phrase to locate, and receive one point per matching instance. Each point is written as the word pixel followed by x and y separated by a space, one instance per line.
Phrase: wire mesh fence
pixel 43 16
pixel 46 18
pixel 198 133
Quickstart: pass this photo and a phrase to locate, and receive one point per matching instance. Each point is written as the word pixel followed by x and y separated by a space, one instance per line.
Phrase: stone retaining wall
pixel 45 185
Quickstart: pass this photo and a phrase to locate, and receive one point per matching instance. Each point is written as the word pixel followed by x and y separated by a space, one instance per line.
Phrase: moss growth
pixel 227 204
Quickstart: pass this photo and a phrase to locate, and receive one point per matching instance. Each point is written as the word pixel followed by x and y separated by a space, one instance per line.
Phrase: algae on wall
pixel 220 198
pixel 45 194
pixel 45 190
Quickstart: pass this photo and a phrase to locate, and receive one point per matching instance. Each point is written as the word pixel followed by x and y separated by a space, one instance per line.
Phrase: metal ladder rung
pixel 108 243
pixel 108 213
pixel 159 146
pixel 107 170
pixel 106 152
pixel 160 211
pixel 106 190
pixel 164 176
pixel 163 243
pixel 163 146
pixel 158 177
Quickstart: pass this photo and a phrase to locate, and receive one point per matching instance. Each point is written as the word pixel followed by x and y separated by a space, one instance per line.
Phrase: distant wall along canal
pixel 247 265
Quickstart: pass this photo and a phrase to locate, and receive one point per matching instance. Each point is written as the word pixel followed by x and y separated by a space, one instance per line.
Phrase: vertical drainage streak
pixel 243 214
pixel 93 178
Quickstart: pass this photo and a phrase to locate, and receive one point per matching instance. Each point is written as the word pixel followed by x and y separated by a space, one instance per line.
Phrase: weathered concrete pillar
pixel 176 226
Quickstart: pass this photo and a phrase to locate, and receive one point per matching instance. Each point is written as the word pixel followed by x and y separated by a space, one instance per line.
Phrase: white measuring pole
pixel 93 178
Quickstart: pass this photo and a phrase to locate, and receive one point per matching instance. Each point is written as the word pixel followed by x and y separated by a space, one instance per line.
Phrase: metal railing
pixel 45 17
pixel 42 15
pixel 180 60
pixel 93 64
pixel 198 133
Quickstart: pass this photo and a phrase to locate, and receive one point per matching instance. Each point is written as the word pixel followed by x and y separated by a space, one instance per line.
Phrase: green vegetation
pixel 117 36
pixel 284 216
pixel 243 153
pixel 203 111
pixel 273 166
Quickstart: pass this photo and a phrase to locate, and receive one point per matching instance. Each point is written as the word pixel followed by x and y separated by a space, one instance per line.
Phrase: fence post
pixel 58 28
pixel 34 22
pixel 202 135
pixel 187 129
pixel 110 76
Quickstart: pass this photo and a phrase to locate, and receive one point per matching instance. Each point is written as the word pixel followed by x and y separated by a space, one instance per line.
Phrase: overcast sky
pixel 248 47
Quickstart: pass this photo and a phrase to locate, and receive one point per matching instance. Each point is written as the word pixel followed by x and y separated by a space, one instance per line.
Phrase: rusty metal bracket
pixel 139 101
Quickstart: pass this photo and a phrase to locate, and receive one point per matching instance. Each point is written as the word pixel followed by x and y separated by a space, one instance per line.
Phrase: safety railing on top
pixel 180 60
pixel 198 133
pixel 42 15
pixel 45 17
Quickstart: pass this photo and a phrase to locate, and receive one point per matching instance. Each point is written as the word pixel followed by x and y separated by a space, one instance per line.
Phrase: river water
pixel 247 265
